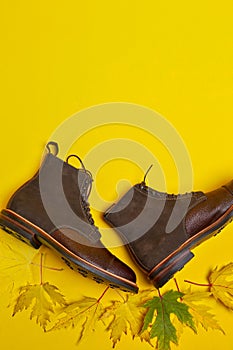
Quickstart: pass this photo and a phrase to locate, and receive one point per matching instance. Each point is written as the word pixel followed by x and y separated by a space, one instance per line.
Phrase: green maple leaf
pixel 158 318
pixel 128 316
pixel 83 313
pixel 221 285
pixel 41 298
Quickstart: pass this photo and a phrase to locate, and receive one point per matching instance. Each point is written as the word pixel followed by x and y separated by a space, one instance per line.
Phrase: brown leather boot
pixel 160 229
pixel 52 208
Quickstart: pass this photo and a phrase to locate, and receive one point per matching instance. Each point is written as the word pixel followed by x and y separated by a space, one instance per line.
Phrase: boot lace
pixel 85 190
pixel 151 191
pixel 84 199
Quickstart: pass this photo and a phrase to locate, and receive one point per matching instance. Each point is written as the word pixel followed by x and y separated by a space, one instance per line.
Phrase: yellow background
pixel 58 57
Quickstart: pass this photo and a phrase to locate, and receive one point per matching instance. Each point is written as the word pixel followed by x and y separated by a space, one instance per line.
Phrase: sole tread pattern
pixel 26 237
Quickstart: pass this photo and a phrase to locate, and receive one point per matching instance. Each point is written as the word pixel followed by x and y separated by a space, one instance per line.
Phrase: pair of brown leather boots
pixel 159 229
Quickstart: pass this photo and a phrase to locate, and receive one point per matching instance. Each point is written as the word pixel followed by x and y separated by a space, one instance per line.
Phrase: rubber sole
pixel 34 236
pixel 166 269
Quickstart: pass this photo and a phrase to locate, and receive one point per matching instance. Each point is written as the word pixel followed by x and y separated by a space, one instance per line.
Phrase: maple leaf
pixel 221 285
pixel 83 313
pixel 128 316
pixel 196 302
pixel 178 326
pixel 200 311
pixel 15 259
pixel 145 336
pixel 41 298
pixel 158 318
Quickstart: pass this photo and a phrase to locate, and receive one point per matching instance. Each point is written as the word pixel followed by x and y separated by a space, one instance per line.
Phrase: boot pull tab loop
pixel 80 160
pixel 143 183
pixel 55 146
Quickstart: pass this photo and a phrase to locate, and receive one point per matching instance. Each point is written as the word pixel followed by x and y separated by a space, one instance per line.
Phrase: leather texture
pixel 97 255
pixel 52 198
pixel 217 202
pixel 154 224
pixel 55 199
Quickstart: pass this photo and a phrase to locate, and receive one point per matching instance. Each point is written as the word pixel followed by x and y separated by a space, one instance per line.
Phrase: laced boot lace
pixel 84 199
pixel 85 190
pixel 143 186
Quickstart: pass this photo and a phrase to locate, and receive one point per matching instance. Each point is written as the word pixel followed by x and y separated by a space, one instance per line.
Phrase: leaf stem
pixel 178 288
pixel 95 304
pixel 160 295
pixel 41 268
pixel 199 284
pixel 102 295
pixel 48 267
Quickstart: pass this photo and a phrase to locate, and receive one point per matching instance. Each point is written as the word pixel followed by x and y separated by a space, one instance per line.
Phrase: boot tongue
pixel 84 177
pixel 85 181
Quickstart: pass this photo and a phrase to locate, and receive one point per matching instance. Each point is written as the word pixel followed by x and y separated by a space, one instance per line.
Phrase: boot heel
pixel 17 229
pixel 165 271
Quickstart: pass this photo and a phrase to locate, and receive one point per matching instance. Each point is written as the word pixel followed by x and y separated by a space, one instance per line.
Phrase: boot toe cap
pixel 119 268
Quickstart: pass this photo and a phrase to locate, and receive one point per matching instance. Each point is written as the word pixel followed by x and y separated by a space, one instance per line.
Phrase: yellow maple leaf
pixel 221 285
pixel 178 326
pixel 128 315
pixel 198 308
pixel 145 336
pixel 83 314
pixel 15 259
pixel 41 298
